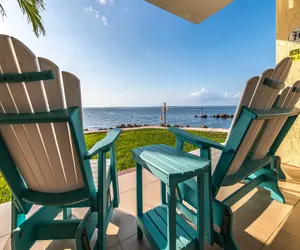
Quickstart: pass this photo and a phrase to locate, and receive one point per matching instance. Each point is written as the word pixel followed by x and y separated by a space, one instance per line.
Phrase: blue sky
pixel 131 53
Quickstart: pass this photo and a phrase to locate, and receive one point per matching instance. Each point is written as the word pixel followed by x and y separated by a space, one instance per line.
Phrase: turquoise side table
pixel 162 226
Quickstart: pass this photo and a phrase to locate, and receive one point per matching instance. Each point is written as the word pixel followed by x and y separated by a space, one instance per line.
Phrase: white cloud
pixel 201 92
pixel 237 95
pixel 104 20
pixel 96 14
pixel 206 95
pixel 230 95
pixel 104 2
pixel 89 8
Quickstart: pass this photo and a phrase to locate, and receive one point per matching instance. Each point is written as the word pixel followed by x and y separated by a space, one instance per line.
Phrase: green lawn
pixel 131 139
pixel 127 141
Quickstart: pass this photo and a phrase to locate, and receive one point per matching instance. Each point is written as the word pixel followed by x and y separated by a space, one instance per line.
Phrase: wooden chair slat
pixel 56 100
pixel 72 91
pixel 245 99
pixel 73 99
pixel 258 132
pixel 51 165
pixel 263 98
pixel 255 127
pixel 14 99
pixel 40 161
pixel 286 100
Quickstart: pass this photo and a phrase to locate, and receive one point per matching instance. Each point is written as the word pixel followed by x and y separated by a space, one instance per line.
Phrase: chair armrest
pixel 105 144
pixel 197 140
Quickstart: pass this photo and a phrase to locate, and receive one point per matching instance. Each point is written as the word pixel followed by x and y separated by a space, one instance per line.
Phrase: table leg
pixel 139 196
pixel 163 192
pixel 200 213
pixel 171 220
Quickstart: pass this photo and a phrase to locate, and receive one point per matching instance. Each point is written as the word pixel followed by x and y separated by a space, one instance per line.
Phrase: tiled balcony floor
pixel 259 222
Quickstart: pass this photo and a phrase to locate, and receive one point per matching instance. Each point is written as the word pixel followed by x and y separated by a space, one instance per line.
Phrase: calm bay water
pixel 96 118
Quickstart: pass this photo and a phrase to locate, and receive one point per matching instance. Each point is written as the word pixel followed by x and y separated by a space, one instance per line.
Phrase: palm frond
pixel 32 9
pixel 2 11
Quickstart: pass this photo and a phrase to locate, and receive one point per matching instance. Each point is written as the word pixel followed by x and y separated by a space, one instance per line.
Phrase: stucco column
pixel 287 19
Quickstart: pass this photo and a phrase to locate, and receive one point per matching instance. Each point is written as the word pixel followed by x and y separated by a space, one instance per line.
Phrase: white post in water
pixel 164 110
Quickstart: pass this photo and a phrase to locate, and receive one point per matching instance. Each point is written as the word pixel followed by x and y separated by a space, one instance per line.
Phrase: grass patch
pixel 131 139
pixel 5 194
pixel 127 141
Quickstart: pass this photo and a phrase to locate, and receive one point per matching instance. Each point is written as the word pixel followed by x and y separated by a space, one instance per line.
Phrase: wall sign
pixel 294 36
pixel 295 54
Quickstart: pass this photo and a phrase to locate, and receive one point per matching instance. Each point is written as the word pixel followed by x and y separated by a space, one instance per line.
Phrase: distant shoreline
pixel 126 107
pixel 224 130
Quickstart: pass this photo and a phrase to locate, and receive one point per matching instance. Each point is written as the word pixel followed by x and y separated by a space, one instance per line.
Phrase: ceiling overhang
pixel 192 10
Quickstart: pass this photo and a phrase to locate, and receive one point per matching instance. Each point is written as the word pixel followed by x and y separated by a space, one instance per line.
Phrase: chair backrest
pixel 43 153
pixel 260 94
pixel 286 100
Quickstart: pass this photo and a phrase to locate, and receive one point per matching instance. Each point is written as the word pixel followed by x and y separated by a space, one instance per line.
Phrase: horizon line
pixel 160 106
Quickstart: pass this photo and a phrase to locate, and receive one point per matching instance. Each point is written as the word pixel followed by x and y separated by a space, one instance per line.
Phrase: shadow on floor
pixel 119 217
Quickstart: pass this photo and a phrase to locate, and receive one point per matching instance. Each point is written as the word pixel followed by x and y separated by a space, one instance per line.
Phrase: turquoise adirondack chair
pixel 43 156
pixel 262 120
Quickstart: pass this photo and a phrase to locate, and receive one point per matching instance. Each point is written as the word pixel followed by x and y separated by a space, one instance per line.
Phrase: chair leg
pixel 114 175
pixel 200 212
pixel 16 218
pixel 171 218
pixel 23 236
pixel 139 197
pixel 230 243
pixel 271 184
pixel 163 193
pixel 276 165
pixel 223 218
pixel 281 174
pixel 102 199
pixel 67 213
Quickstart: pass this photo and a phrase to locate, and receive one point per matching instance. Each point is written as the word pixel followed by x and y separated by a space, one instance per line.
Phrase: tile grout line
pixel 2 236
pixel 135 187
pixel 264 244
pixel 129 238
pixel 114 244
pixel 125 238
pixel 5 235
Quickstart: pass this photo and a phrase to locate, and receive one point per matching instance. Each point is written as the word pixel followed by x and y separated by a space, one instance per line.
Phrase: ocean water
pixel 100 118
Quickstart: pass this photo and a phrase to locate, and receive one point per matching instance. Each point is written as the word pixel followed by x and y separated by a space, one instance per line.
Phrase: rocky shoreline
pixel 148 126
pixel 134 125
pixel 145 125
pixel 222 116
